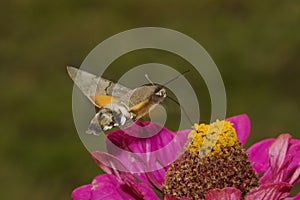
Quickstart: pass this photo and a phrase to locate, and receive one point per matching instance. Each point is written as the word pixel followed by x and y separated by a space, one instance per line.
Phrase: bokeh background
pixel 255 44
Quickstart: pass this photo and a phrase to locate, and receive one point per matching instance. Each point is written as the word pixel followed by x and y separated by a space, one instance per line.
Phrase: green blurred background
pixel 255 44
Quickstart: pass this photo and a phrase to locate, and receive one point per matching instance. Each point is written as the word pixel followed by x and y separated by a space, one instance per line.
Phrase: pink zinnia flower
pixel 213 165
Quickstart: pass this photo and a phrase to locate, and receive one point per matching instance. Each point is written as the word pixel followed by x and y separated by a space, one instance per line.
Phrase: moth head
pixel 161 93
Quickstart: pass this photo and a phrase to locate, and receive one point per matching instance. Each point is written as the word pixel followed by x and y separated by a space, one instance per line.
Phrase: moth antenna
pixel 176 77
pixel 185 113
pixel 148 79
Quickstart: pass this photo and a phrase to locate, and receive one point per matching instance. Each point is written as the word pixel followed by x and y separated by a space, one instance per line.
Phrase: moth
pixel 117 104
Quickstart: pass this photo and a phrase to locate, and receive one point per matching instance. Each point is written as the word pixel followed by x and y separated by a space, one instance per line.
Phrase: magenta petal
pixel 294 141
pixel 109 163
pixel 157 177
pixel 259 155
pixel 82 193
pixel 164 157
pixel 170 197
pixel 293 154
pixel 147 158
pixel 117 143
pixel 295 176
pixel 278 158
pixel 241 124
pixel 278 163
pixel 159 138
pixel 274 191
pixel 141 189
pixel 228 193
pixel 278 151
pixel 112 165
pixel 109 187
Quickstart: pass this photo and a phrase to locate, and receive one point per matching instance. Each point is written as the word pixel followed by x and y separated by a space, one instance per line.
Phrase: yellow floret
pixel 209 139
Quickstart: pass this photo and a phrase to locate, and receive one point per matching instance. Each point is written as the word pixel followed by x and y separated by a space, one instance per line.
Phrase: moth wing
pixel 94 127
pixel 99 91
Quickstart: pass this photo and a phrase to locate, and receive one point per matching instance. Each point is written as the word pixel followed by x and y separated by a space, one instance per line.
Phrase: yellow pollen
pixel 208 139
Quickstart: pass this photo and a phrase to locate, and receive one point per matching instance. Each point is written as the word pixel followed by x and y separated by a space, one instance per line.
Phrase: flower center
pixel 208 140
pixel 214 159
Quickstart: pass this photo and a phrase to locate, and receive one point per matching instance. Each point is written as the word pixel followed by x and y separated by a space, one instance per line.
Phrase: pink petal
pixel 147 158
pixel 141 189
pixel 278 151
pixel 159 137
pixel 157 177
pixel 294 167
pixel 281 175
pixel 278 158
pixel 242 125
pixel 118 145
pixel 112 165
pixel 272 191
pixel 164 157
pixel 228 193
pixel 170 197
pixel 294 141
pixel 295 176
pixel 82 193
pixel 109 163
pixel 259 155
pixel 109 187
pixel 281 156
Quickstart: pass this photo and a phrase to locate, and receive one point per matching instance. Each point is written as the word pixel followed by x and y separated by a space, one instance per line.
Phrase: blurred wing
pixel 98 90
pixel 94 127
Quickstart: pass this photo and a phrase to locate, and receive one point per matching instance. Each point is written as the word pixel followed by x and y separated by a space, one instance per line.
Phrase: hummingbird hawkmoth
pixel 117 105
